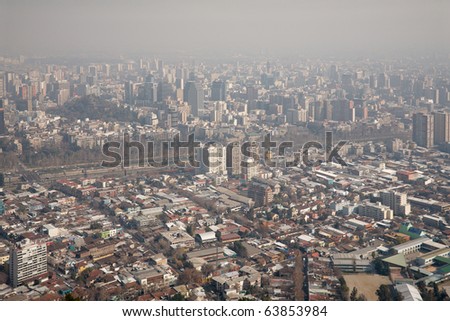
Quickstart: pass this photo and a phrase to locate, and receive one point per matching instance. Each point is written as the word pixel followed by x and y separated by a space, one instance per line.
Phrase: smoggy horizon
pixel 287 27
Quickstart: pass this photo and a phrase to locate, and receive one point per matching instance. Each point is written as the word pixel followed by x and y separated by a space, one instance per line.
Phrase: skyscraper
pixel 2 118
pixel 2 121
pixel 2 207
pixel 249 169
pixel 398 202
pixel 27 261
pixel 441 127
pixel 234 159
pixel 384 81
pixel 129 92
pixel 343 110
pixel 2 85
pixel 193 95
pixel 423 129
pixel 219 90
pixel 213 159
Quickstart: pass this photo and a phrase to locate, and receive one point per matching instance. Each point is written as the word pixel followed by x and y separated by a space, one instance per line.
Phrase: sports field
pixel 366 284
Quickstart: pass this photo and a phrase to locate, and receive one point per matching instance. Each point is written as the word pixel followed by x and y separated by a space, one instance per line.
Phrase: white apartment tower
pixel 27 261
pixel 376 211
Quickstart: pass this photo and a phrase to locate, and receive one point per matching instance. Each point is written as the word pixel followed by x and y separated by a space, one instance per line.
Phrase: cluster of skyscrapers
pixel 431 129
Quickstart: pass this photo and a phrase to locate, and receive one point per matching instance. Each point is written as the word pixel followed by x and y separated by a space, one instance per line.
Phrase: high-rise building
pixel 2 121
pixel 394 145
pixel 376 211
pixel 2 85
pixel 63 97
pixel 219 90
pixel 249 169
pixel 384 81
pixel 423 129
pixel 334 74
pixel 213 159
pixel 2 118
pixel 165 91
pixel 234 159
pixel 262 194
pixel 129 92
pixel 343 110
pixel 2 207
pixel 441 127
pixel 373 82
pixel 193 95
pixel 150 89
pixel 27 262
pixel 398 202
pixel 217 112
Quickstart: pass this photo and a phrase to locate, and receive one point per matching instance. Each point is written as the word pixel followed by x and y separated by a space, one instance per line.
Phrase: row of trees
pixel 433 294
pixel 388 293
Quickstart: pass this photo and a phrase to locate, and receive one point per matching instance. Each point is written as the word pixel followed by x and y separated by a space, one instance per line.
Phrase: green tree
pixel 380 266
pixel 383 293
pixel 343 289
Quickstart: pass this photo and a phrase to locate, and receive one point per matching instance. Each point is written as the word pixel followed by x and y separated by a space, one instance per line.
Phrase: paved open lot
pixel 366 284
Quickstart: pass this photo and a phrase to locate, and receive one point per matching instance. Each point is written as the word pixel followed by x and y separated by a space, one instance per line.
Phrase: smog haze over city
pixel 202 27
pixel 225 151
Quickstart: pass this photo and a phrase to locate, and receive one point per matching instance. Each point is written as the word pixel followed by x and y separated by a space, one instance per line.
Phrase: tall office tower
pixel 318 110
pixel 234 159
pixel 249 169
pixel 93 71
pixel 129 92
pixel 334 75
pixel 165 90
pixel 343 110
pixel 151 91
pixel 433 93
pixel 27 262
pixel 2 207
pixel 107 70
pixel 160 68
pixel 398 202
pixel 63 96
pixel 373 83
pixel 252 96
pixel 219 90
pixel 179 83
pixel 443 96
pixel 216 114
pixel 193 95
pixel 2 118
pixel 213 159
pixel 2 85
pixel 423 129
pixel 384 81
pixel 441 127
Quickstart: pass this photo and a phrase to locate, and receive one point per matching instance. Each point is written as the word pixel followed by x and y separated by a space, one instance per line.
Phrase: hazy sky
pixel 327 27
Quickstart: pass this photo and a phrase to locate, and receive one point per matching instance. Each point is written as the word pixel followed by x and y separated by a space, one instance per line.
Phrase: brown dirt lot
pixel 366 284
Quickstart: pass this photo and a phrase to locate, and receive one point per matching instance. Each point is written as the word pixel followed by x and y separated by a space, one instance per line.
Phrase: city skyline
pixel 224 151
